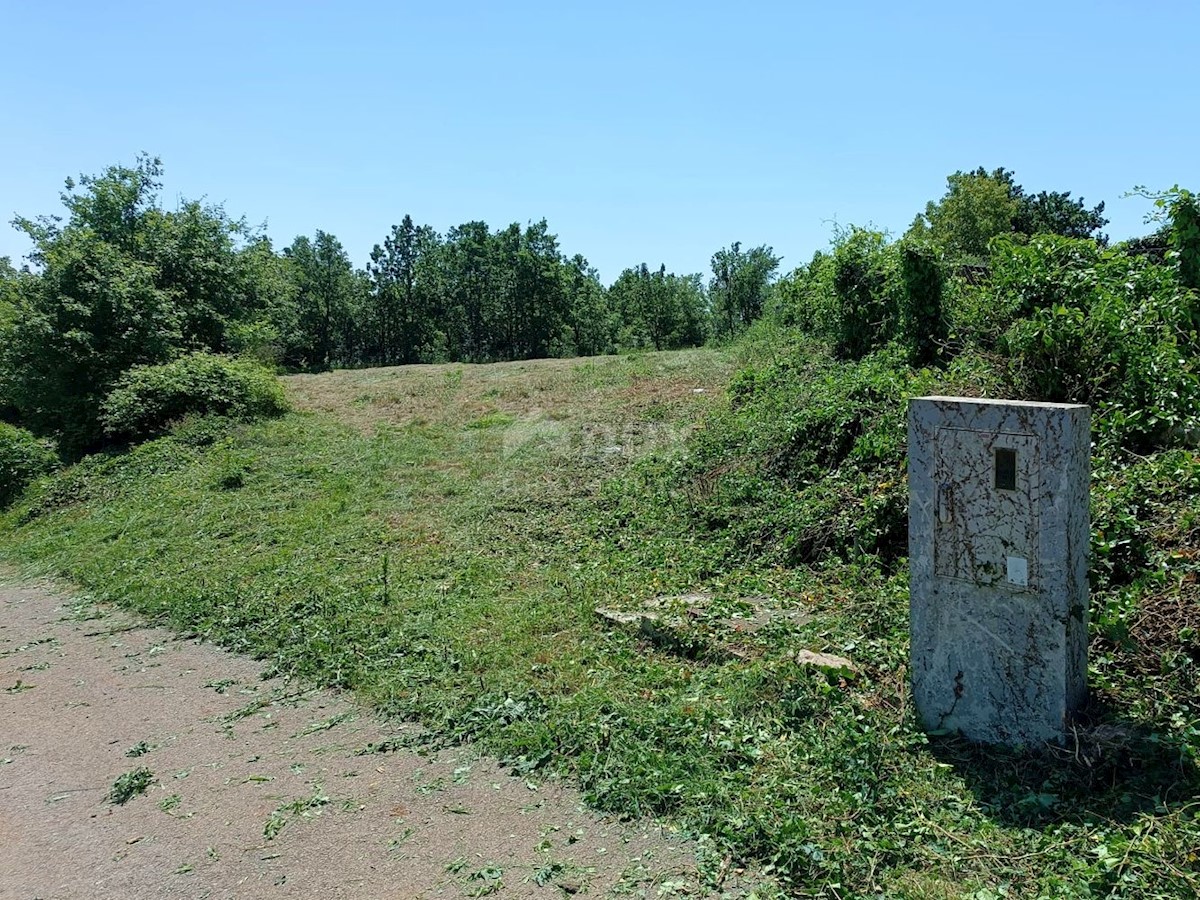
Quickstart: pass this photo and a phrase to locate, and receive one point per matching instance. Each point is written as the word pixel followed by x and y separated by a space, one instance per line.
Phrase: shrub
pixel 864 280
pixel 924 316
pixel 866 293
pixel 1185 235
pixel 23 457
pixel 1102 328
pixel 148 400
pixel 805 299
pixel 808 461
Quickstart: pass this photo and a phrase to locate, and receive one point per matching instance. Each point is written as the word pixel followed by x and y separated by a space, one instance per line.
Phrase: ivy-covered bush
pixel 148 400
pixel 808 462
pixel 1101 327
pixel 867 293
pixel 924 319
pixel 865 282
pixel 23 457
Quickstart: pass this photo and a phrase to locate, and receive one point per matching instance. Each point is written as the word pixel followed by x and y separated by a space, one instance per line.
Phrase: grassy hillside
pixel 440 537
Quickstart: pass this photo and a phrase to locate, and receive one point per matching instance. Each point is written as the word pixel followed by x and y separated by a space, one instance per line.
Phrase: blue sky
pixel 653 132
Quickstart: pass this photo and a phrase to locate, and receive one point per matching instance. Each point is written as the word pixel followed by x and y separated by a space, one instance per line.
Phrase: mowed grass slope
pixel 439 537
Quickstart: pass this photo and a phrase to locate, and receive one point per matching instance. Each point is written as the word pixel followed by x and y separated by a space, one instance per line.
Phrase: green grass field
pixel 438 539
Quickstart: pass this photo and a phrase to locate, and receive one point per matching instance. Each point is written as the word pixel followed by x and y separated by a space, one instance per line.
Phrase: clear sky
pixel 653 132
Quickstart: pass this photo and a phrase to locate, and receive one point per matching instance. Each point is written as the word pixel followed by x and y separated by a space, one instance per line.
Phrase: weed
pixel 396 843
pixel 327 724
pixel 486 881
pixel 543 875
pixel 130 785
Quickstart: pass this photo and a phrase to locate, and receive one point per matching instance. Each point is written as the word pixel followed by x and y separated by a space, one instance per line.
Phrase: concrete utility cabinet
pixel 998 536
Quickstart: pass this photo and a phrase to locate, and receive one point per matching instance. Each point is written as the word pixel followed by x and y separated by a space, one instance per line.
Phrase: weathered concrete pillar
pixel 998 538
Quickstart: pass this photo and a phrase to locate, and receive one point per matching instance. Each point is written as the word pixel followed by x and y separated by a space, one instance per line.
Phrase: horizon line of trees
pixel 480 295
pixel 119 281
pixel 473 294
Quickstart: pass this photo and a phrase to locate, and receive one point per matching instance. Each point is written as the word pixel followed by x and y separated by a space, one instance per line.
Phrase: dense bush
pixel 864 282
pixel 805 299
pixel 924 318
pixel 1100 327
pixel 119 282
pixel 147 400
pixel 23 457
pixel 809 461
pixel 868 293
pixel 1063 319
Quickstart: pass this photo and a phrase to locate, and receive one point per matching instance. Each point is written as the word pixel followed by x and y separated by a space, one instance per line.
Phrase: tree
pixel 738 289
pixel 976 207
pixel 592 327
pixel 982 204
pixel 271 323
pixel 92 314
pixel 195 250
pixel 325 287
pixel 121 282
pixel 10 288
pixel 1054 212
pixel 544 318
pixel 863 283
pixel 99 305
pixel 1184 213
pixel 660 309
pixel 469 288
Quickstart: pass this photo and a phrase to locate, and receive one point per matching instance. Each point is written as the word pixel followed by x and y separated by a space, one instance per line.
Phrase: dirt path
pixel 258 788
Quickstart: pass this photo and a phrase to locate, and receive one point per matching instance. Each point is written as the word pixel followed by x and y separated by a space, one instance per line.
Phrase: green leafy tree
pixel 976 207
pixel 983 204
pixel 593 329
pixel 98 306
pixel 1185 236
pixel 406 318
pixel 325 288
pixel 694 324
pixel 1177 214
pixel 1055 212
pixel 470 277
pixel 92 314
pixel 544 317
pixel 739 286
pixel 660 309
pixel 10 290
pixel 119 282
pixel 646 305
pixel 272 321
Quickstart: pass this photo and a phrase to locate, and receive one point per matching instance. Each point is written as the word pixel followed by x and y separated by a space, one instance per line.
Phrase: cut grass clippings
pixel 130 785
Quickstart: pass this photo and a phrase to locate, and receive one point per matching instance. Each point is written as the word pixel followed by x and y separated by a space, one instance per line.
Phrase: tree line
pixel 202 279
pixel 475 294
pixel 119 281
